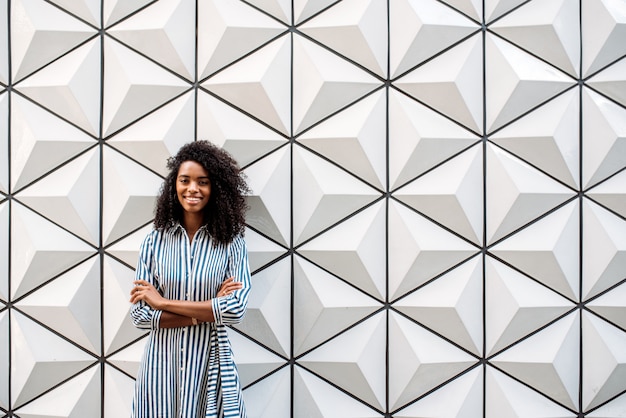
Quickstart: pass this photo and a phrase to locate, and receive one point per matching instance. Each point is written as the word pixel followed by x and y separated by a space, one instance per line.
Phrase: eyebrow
pixel 185 175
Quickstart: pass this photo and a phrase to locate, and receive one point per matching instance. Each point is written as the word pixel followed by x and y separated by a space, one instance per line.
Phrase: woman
pixel 192 280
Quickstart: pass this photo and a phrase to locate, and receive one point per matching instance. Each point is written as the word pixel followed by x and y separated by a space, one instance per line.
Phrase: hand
pixel 145 291
pixel 228 287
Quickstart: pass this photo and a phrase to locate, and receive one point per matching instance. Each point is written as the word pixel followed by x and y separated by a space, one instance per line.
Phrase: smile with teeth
pixel 194 199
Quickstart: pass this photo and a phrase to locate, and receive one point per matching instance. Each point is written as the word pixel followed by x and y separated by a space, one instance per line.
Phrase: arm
pixel 142 314
pixel 231 310
pixel 179 313
pixel 227 308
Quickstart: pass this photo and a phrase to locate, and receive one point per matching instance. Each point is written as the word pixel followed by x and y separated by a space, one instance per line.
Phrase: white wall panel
pixel 437 211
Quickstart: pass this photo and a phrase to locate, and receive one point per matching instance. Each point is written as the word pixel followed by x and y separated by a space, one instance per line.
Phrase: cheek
pixel 178 195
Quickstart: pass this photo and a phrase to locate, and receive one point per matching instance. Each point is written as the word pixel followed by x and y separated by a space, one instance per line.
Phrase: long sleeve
pixel 142 315
pixel 231 310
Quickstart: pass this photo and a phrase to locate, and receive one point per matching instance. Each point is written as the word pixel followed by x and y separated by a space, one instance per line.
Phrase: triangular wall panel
pixel 229 30
pixel 602 45
pixel 460 398
pixel 323 195
pixel 256 85
pixel 605 122
pixel 271 397
pixel 457 186
pixel 420 250
pixel 550 361
pixel 43 360
pixel 547 29
pixel 352 361
pixel 308 388
pixel 548 138
pixel 40 250
pixel 346 28
pixel 78 397
pixel 420 30
pixel 268 320
pixel 606 366
pixel 420 139
pixel 358 258
pixel 610 82
pixel 46 33
pixel 449 83
pixel 324 306
pixel 70 305
pixel 136 86
pixel 506 396
pixel 516 82
pixel 70 87
pixel 604 250
pixel 457 314
pixel 155 138
pixel 351 139
pixel 70 196
pixel 253 361
pixel 416 358
pixel 323 84
pixel 159 32
pixel 40 142
pixel 86 10
pixel 243 137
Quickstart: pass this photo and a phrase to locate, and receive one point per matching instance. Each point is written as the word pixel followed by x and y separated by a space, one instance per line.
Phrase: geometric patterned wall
pixel 438 207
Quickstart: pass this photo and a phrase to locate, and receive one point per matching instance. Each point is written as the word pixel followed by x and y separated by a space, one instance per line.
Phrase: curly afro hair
pixel 224 214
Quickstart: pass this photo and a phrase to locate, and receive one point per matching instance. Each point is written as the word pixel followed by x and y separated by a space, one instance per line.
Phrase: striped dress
pixel 189 372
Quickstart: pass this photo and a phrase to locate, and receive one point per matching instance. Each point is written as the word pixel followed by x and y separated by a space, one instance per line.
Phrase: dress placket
pixel 184 341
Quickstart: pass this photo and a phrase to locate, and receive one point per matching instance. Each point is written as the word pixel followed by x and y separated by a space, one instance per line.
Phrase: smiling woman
pixel 192 280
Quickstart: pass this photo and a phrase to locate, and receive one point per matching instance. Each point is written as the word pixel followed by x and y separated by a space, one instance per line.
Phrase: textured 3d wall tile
pixel 437 221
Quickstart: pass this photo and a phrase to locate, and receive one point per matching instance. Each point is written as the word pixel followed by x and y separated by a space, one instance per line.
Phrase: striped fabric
pixel 190 371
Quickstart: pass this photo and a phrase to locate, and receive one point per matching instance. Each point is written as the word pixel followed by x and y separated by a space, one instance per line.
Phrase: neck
pixel 192 223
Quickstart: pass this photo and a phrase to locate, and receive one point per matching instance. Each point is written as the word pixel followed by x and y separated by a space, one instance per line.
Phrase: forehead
pixel 192 169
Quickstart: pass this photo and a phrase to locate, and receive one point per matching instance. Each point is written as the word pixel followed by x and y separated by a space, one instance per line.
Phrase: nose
pixel 193 186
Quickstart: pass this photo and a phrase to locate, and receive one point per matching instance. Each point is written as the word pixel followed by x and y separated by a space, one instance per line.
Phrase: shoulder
pixel 238 245
pixel 157 235
pixel 238 242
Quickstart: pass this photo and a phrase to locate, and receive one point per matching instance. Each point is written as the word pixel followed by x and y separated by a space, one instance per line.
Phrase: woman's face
pixel 193 187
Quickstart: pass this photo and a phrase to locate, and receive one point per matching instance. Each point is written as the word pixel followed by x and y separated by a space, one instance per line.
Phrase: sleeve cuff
pixel 156 319
pixel 217 312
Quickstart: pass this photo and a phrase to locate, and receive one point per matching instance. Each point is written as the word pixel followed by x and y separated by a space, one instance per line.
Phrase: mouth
pixel 192 199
